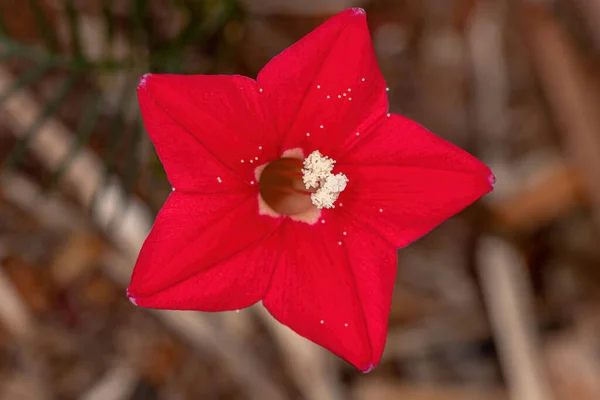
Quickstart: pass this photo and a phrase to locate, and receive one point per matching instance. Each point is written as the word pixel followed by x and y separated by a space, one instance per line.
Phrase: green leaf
pixel 27 78
pixel 73 21
pixel 3 30
pixel 109 22
pixel 82 135
pixel 46 29
pixel 49 110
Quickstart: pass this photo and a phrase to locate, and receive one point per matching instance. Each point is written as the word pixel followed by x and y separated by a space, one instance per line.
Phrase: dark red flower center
pixel 281 187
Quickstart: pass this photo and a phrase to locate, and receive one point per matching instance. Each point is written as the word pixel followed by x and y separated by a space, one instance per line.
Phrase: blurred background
pixel 500 302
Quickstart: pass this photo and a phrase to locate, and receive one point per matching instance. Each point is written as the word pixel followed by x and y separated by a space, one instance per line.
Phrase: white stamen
pixel 260 90
pixel 344 94
pixel 381 210
pixel 252 182
pixel 260 147
pixel 341 204
pixel 340 243
pixel 349 89
pixel 339 96
pixel 318 86
pixel 346 325
pixel 328 96
pixel 219 179
pixel 307 134
pixel 242 161
pixel 345 233
pixel 349 98
pixel 322 221
pixel 251 161
pixel 321 126
pixel 317 173
pixel 322 322
pixel 357 133
pixel 363 79
pixel 256 158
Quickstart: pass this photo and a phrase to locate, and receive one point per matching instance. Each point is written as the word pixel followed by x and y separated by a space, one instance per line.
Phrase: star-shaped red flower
pixel 239 226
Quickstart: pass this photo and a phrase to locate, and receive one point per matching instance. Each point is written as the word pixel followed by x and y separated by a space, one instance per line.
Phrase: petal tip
pixel 131 298
pixel 144 81
pixel 368 368
pixel 491 179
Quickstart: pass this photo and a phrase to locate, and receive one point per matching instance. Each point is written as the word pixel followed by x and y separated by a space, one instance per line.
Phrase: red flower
pixel 241 224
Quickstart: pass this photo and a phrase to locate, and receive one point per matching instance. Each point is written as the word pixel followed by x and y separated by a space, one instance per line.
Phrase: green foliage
pixel 61 51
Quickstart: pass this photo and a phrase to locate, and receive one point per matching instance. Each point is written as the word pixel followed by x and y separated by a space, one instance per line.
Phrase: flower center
pixel 291 186
pixel 281 187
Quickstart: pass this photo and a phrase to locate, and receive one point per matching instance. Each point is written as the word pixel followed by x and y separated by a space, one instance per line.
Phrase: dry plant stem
pixel 551 191
pixel 14 314
pixel 509 301
pixel 566 87
pixel 117 384
pixel 590 10
pixel 84 176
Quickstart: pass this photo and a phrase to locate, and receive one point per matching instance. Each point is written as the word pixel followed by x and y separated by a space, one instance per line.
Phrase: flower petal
pixel 205 252
pixel 326 87
pixel 204 126
pixel 404 180
pixel 331 289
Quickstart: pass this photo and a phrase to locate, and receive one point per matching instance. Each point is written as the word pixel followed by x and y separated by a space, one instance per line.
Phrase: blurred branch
pixel 509 301
pixel 566 86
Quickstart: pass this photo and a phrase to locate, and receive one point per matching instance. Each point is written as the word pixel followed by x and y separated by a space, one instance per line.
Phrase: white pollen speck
pixel 260 90
pixel 242 161
pixel 389 115
pixel 321 126
pixel 387 89
pixel 344 94
pixel 307 134
pixel 346 325
pixel 260 147
pixel 328 96
pixel 237 311
pixel 339 96
pixel 219 179
pixel 363 79
pixel 349 89
pixel 256 158
pixel 251 161
pixel 252 182
pixel 381 210
pixel 341 204
pixel 345 233
pixel 172 189
pixel 340 243
pixel 322 221
pixel 318 86
pixel 349 98
pixel 322 322
pixel 357 133
pixel 132 300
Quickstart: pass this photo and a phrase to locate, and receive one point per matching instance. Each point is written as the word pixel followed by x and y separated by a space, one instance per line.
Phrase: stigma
pixel 318 174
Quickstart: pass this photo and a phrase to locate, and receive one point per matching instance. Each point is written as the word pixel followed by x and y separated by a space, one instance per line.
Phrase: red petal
pixel 404 180
pixel 329 61
pixel 334 289
pixel 204 126
pixel 205 252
